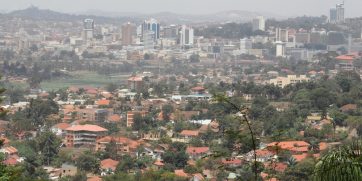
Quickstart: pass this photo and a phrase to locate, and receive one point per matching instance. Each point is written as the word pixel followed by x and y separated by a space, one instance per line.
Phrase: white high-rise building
pixel 151 25
pixel 280 49
pixel 336 15
pixel 148 40
pixel 186 36
pixel 258 23
pixel 281 35
pixel 88 29
pixel 245 45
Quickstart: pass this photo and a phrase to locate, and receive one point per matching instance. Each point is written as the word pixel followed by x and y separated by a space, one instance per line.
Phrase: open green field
pixel 83 78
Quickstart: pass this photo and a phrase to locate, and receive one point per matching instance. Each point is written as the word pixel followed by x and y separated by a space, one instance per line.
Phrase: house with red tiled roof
pixel 124 145
pixel 59 129
pixel 198 90
pixel 293 146
pixel 197 152
pixel 277 166
pixel 158 164
pixel 103 102
pixel 9 151
pixel 187 134
pixel 345 62
pixel 262 155
pixel 108 166
pixel 181 173
pixel 231 162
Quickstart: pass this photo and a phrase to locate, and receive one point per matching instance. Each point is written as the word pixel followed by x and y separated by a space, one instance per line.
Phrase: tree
pixel 88 162
pixel 301 171
pixel 48 144
pixel 343 163
pixel 111 87
pixel 166 112
pixel 125 165
pixel 112 149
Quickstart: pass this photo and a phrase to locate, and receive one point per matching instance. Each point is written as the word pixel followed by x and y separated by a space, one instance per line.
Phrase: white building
pixel 281 35
pixel 88 29
pixel 186 36
pixel 258 23
pixel 245 45
pixel 280 49
pixel 290 79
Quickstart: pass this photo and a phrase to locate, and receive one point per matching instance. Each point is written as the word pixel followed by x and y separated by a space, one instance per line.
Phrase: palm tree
pixel 313 146
pixel 291 161
pixel 343 164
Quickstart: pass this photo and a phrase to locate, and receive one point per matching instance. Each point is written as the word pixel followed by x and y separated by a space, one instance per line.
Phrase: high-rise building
pixel 258 23
pixel 127 33
pixel 280 49
pixel 151 25
pixel 281 35
pixel 88 29
pixel 186 36
pixel 148 40
pixel 336 15
pixel 170 32
pixel 245 45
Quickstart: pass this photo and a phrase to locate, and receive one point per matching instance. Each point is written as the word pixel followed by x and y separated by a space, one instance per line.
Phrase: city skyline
pixel 305 7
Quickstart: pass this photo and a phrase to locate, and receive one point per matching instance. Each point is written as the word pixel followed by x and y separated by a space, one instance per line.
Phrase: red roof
pixel 190 133
pixel 158 163
pixel 123 140
pixel 10 161
pixel 231 161
pixel 135 78
pixel 62 126
pixel 103 102
pixel 297 146
pixel 86 127
pixel 114 118
pixel 180 173
pixel 94 178
pixel 109 164
pixel 197 150
pixel 300 157
pixel 198 88
pixel 323 146
pixel 280 167
pixel 10 150
pixel 345 57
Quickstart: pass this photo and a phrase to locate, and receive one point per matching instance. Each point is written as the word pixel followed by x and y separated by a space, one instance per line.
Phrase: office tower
pixel 186 36
pixel 148 40
pixel 258 23
pixel 281 35
pixel 336 15
pixel 170 32
pixel 280 49
pixel 88 29
pixel 302 37
pixel 127 33
pixel 245 45
pixel 151 25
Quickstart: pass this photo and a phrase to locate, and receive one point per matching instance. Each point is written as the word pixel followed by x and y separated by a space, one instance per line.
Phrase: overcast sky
pixel 280 7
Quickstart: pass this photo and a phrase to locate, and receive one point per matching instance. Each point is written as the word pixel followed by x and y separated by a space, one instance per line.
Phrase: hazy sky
pixel 280 7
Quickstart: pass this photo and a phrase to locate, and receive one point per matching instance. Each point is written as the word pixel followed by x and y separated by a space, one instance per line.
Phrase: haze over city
pixel 278 7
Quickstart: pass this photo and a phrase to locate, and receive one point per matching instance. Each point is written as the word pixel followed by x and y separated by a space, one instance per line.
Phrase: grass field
pixel 83 78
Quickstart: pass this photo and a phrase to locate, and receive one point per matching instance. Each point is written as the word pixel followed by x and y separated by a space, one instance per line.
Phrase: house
pixel 277 166
pixel 135 83
pixel 124 145
pixel 345 62
pixel 293 146
pixel 158 164
pixel 188 134
pixel 348 108
pixel 181 173
pixel 9 151
pixel 198 90
pixel 59 129
pixel 103 103
pixel 84 135
pixel 197 152
pixel 262 155
pixel 68 170
pixel 231 162
pixel 108 166
pixel 115 118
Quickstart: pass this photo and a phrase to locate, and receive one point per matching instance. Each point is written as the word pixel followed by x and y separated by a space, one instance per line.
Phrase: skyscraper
pixel 88 29
pixel 151 25
pixel 127 33
pixel 280 49
pixel 148 40
pixel 245 45
pixel 258 23
pixel 336 15
pixel 281 35
pixel 186 36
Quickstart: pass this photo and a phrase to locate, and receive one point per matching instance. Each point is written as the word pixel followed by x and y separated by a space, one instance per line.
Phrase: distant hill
pixel 44 14
pixel 120 17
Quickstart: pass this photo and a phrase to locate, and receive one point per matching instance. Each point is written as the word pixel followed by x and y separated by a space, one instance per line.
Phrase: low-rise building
pixel 84 135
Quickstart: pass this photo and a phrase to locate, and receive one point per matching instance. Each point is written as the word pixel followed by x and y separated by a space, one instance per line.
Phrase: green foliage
pixel 343 163
pixel 88 162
